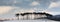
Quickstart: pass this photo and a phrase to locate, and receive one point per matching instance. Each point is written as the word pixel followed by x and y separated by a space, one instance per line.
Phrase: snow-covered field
pixel 28 18
pixel 40 20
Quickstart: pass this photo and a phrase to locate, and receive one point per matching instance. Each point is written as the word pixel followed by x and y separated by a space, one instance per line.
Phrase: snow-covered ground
pixel 29 18
pixel 40 20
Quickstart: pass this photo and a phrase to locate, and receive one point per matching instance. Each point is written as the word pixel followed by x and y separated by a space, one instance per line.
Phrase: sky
pixel 8 8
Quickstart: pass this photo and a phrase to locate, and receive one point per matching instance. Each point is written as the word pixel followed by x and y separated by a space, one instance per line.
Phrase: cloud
pixel 5 9
pixel 35 3
pixel 15 1
pixel 54 4
pixel 51 7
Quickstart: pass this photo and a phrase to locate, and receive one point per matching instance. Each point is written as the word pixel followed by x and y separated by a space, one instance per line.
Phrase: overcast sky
pixel 8 8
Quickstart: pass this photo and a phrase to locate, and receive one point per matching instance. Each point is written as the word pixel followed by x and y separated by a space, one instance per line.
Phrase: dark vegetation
pixel 49 16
